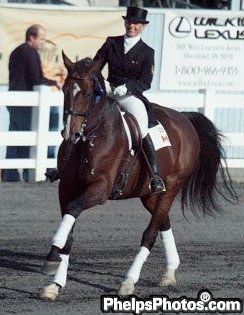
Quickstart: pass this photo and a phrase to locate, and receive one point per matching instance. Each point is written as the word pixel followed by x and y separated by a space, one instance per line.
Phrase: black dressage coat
pixel 25 69
pixel 24 72
pixel 134 69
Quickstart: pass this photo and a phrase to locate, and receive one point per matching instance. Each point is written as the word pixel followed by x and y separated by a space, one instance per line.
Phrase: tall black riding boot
pixel 157 184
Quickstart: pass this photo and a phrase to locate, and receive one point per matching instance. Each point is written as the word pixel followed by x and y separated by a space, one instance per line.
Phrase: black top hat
pixel 135 14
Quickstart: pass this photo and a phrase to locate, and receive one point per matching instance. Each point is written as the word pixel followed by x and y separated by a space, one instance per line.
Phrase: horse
pixel 95 165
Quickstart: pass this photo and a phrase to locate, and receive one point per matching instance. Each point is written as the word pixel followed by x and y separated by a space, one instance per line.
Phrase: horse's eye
pixel 76 89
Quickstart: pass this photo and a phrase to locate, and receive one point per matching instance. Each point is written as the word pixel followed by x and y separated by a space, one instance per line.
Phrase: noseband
pixel 75 113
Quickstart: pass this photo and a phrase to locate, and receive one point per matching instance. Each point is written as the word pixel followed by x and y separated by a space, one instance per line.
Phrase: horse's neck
pixel 104 115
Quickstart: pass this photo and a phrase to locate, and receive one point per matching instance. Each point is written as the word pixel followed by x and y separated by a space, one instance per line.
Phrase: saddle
pixel 133 129
pixel 135 146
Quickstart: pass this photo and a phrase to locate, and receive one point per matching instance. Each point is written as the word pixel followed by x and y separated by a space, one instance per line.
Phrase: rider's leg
pixel 157 184
pixel 137 108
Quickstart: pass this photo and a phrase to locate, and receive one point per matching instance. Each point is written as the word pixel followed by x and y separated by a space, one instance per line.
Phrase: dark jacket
pixel 25 69
pixel 134 69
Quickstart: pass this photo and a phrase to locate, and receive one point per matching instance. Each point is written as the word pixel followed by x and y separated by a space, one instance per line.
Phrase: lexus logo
pixel 180 27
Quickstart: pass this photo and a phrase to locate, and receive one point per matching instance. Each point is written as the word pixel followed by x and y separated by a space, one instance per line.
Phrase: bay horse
pixel 95 165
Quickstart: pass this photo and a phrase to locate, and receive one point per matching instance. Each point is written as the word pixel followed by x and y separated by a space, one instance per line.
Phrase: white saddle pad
pixel 159 137
pixel 158 134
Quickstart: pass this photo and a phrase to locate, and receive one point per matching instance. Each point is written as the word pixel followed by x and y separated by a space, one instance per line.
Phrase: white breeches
pixel 136 107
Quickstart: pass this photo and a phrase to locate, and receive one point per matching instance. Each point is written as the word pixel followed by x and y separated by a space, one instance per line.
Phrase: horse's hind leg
pixel 169 246
pixel 171 254
pixel 166 235
pixel 159 207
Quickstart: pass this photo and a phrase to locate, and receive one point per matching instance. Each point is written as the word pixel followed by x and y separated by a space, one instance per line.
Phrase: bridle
pixel 96 98
pixel 98 92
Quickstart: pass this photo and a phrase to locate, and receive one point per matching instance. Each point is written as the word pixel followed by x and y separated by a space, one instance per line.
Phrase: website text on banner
pixel 203 49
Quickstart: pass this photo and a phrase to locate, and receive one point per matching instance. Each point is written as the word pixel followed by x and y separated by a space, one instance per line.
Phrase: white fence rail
pixel 41 137
pixel 207 101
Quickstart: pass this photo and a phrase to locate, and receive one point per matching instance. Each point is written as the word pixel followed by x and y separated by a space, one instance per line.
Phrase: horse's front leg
pixel 94 194
pixel 58 257
pixel 59 271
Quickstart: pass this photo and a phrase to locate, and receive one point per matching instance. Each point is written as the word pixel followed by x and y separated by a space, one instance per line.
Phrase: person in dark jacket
pixel 25 72
pixel 130 73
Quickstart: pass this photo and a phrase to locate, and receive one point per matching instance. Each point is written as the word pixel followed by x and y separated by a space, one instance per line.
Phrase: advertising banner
pixel 203 49
pixel 80 33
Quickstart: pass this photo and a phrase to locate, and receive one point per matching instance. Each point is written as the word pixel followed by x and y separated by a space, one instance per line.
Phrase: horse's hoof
pixel 50 267
pixel 50 292
pixel 167 281
pixel 127 287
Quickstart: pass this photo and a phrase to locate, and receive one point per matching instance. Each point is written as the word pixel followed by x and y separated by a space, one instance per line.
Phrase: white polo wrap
pixel 61 274
pixel 172 257
pixel 62 233
pixel 135 269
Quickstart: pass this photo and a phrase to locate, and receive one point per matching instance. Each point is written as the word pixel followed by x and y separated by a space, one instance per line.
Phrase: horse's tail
pixel 201 190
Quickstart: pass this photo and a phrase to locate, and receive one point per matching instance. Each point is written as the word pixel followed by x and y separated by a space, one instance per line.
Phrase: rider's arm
pixel 143 82
pixel 102 53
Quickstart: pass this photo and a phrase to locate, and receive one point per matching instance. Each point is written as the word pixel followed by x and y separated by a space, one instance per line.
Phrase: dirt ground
pixel 106 241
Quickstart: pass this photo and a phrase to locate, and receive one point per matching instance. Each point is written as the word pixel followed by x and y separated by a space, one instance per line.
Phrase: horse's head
pixel 83 84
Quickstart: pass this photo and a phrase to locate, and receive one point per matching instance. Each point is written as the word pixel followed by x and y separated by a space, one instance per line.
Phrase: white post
pixel 4 115
pixel 208 103
pixel 237 5
pixel 42 131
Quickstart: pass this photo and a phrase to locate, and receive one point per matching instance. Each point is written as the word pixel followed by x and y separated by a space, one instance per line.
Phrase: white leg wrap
pixel 135 269
pixel 62 233
pixel 172 257
pixel 61 274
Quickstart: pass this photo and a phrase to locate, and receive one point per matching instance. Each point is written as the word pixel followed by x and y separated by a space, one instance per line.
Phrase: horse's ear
pixel 69 65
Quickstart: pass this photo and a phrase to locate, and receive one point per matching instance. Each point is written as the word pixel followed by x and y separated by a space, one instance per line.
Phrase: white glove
pixel 107 87
pixel 120 90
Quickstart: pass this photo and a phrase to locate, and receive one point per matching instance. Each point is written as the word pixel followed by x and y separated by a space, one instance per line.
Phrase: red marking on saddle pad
pixel 159 137
pixel 165 138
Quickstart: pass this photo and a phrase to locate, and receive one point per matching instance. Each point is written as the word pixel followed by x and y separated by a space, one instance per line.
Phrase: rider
pixel 130 72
